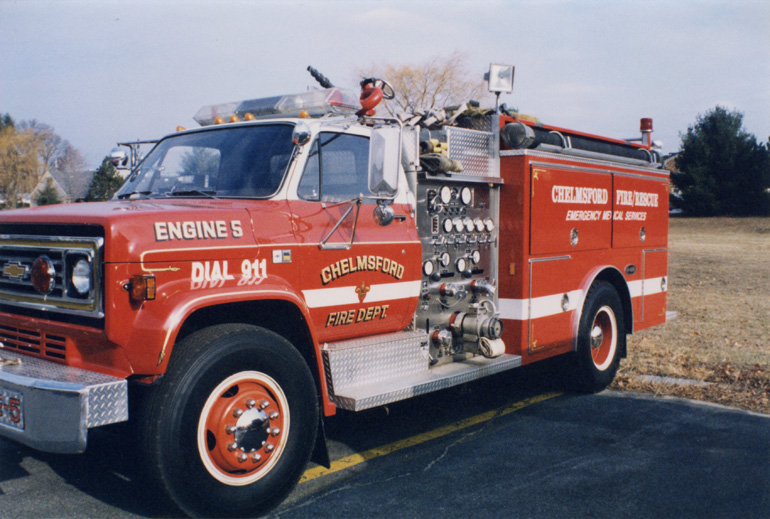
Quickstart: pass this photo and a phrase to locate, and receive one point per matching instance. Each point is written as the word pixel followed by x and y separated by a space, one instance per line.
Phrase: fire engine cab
pixel 296 255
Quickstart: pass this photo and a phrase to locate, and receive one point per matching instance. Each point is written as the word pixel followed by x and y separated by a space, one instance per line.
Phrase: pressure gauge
pixel 459 225
pixel 462 265
pixel 445 194
pixel 475 257
pixel 466 196
pixel 448 225
pixel 444 259
pixel 489 225
pixel 479 224
pixel 468 223
pixel 428 267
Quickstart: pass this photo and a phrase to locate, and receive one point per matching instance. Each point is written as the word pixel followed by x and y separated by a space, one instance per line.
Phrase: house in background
pixel 71 186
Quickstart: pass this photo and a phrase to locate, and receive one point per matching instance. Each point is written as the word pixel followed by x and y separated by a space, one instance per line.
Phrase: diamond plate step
pixel 374 371
pixel 374 359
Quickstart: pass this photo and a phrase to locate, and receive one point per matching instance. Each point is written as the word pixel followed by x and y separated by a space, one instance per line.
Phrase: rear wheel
pixel 601 339
pixel 232 425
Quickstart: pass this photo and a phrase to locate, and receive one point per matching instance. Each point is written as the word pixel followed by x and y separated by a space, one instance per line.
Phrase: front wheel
pixel 601 339
pixel 232 425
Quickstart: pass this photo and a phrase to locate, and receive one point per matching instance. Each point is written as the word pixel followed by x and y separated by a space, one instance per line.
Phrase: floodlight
pixel 500 78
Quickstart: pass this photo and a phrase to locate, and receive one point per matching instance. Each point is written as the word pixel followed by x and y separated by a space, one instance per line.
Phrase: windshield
pixel 244 161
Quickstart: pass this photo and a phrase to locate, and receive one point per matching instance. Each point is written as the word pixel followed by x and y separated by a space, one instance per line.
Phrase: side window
pixel 336 168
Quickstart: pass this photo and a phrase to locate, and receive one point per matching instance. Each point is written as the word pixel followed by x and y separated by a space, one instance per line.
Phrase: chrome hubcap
pixel 597 337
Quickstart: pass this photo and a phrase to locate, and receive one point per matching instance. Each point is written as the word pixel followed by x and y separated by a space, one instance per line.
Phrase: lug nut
pixel 257 458
pixel 237 413
pixel 264 404
pixel 276 431
pixel 242 458
pixel 269 447
pixel 230 429
pixel 232 446
pixel 251 403
pixel 273 415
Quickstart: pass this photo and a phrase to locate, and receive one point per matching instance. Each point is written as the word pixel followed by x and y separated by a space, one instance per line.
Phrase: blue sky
pixel 106 71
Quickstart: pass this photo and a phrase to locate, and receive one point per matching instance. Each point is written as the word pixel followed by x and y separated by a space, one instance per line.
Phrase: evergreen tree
pixel 6 121
pixel 105 183
pixel 723 169
pixel 49 195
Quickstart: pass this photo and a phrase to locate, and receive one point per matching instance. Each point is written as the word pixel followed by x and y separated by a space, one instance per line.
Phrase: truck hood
pixel 134 226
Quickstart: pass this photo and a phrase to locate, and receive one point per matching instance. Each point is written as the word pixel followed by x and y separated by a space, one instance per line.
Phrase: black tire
pixel 601 339
pixel 227 376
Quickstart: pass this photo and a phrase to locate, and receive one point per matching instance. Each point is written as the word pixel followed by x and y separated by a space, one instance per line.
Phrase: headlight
pixel 81 277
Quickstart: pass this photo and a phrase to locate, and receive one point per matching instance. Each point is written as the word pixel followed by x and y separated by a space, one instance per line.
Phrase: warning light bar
pixel 315 103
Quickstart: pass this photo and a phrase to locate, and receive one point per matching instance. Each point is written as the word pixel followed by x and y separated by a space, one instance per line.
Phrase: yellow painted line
pixel 361 457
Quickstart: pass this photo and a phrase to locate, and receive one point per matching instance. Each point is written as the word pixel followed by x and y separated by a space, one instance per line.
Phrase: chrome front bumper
pixel 57 403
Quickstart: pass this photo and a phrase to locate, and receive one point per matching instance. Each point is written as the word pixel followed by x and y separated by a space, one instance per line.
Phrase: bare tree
pixel 436 83
pixel 56 154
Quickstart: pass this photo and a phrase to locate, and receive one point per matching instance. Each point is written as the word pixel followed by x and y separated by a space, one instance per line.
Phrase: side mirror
pixel 301 134
pixel 384 161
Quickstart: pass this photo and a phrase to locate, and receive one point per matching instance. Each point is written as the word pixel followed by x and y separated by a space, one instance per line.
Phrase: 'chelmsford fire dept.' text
pixel 347 266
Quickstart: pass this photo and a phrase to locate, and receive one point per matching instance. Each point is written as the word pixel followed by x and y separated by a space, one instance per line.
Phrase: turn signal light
pixel 141 288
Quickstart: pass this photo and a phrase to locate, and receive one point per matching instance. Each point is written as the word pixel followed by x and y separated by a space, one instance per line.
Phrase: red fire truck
pixel 296 255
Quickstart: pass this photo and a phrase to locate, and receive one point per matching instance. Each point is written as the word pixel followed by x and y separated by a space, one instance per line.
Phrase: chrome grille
pixel 18 253
pixel 18 260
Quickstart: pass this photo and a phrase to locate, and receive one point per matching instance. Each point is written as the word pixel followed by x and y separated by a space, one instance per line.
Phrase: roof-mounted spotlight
pixel 500 79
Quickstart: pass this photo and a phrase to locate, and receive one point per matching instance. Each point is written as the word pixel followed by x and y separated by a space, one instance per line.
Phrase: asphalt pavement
pixel 500 447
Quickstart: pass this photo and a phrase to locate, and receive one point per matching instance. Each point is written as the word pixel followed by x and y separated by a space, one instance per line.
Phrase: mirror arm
pixel 343 246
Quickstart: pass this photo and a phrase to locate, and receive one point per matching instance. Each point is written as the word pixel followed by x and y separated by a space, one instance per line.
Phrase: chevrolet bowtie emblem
pixel 14 270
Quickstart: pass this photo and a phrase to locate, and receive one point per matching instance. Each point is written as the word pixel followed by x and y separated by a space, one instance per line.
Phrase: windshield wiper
pixel 133 193
pixel 189 192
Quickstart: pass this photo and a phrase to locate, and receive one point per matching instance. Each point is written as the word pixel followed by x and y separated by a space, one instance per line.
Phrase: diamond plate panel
pixel 107 403
pixel 440 377
pixel 474 149
pixel 411 147
pixel 107 397
pixel 374 359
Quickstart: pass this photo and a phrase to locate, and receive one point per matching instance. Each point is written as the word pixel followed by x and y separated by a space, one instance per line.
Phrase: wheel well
pixel 281 317
pixel 617 280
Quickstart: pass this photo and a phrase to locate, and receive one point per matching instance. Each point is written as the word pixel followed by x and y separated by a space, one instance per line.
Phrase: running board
pixel 374 371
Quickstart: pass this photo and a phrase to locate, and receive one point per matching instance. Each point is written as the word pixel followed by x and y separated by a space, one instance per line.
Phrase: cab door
pixel 358 277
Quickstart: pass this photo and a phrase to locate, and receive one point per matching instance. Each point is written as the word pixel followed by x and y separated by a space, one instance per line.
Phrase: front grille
pixel 17 255
pixel 18 261
pixel 33 342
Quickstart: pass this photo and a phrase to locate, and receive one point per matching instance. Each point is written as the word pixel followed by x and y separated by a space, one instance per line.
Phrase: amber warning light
pixel 141 288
